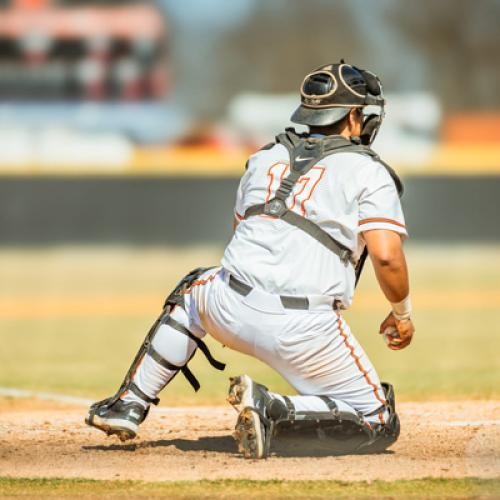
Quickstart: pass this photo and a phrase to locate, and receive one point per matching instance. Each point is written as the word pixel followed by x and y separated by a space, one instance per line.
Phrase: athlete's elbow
pixel 385 248
pixel 387 260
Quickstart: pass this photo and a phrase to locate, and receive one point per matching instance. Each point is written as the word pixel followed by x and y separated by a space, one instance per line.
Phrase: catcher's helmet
pixel 331 91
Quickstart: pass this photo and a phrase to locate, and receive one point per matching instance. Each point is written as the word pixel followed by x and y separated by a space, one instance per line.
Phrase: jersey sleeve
pixel 239 206
pixel 379 204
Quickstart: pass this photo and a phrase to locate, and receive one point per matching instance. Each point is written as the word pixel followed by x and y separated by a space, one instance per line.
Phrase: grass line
pixel 418 488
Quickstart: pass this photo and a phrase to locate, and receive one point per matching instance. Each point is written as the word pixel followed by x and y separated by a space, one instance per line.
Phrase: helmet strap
pixel 371 126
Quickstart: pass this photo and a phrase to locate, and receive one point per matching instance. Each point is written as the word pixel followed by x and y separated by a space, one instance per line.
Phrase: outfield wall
pixel 168 210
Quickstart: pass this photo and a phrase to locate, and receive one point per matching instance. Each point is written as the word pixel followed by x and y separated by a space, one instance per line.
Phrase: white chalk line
pixel 46 396
pixel 468 423
pixel 61 398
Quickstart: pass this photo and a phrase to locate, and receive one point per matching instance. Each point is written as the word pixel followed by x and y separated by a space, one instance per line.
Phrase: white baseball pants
pixel 314 350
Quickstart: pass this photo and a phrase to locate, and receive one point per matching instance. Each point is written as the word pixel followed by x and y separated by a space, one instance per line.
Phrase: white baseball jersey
pixel 345 194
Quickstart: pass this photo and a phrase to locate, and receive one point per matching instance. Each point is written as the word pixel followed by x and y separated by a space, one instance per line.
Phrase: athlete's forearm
pixel 388 259
pixel 392 276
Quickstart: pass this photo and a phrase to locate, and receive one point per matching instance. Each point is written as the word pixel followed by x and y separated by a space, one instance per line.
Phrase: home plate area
pixel 40 438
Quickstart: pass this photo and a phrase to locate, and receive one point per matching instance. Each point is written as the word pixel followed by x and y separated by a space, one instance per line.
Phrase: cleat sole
pixel 248 434
pixel 124 429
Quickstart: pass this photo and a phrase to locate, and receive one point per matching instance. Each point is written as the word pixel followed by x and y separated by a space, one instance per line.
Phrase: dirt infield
pixel 45 439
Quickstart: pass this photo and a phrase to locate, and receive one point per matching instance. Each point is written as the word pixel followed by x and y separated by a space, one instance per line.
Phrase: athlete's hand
pixel 398 333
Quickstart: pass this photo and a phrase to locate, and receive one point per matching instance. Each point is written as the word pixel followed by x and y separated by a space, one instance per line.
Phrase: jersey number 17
pixel 303 189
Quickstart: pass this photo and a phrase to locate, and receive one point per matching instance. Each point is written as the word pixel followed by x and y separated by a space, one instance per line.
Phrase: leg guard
pixel 176 298
pixel 345 432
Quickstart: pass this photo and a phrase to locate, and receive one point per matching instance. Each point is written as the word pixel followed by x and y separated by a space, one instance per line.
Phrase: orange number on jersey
pixel 303 189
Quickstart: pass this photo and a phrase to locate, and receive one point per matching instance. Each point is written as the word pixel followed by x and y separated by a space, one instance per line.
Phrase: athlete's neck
pixel 328 131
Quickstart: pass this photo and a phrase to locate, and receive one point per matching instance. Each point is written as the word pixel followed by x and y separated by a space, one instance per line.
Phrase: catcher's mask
pixel 330 92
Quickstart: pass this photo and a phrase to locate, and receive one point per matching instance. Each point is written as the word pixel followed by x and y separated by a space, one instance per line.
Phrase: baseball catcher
pixel 309 210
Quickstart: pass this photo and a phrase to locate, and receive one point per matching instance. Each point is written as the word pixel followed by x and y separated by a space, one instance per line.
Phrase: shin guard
pixel 176 298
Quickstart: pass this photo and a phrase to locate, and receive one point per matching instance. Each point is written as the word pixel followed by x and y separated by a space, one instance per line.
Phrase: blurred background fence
pixel 130 122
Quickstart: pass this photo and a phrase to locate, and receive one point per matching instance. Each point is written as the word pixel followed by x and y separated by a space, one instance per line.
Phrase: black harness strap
pixel 276 208
pixel 332 406
pixel 161 360
pixel 132 387
pixel 202 346
pixel 166 364
pixel 191 378
pixel 290 407
pixel 341 415
pixel 304 152
pixel 312 229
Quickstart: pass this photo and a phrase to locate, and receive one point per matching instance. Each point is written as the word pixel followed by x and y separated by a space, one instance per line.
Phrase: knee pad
pixel 176 298
pixel 173 346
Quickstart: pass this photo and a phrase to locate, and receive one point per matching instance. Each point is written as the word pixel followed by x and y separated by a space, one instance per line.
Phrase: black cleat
pixel 389 395
pixel 250 400
pixel 392 426
pixel 388 434
pixel 121 419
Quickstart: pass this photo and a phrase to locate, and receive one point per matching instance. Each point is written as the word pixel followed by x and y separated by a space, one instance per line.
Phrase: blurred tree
pixel 460 40
pixel 448 47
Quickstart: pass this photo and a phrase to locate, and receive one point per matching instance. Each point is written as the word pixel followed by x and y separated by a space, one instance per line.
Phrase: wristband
pixel 402 310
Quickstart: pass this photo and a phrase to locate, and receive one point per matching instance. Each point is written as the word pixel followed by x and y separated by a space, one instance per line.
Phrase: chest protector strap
pixel 304 153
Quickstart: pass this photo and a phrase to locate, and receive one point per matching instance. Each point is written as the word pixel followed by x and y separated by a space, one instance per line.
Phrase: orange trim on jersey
pixel 271 180
pixel 381 219
pixel 304 181
pixel 271 177
pixel 302 205
pixel 238 216
pixel 285 170
pixel 358 364
pixel 201 282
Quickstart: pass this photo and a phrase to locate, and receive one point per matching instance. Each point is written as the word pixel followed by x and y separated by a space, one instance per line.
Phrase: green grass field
pixel 71 319
pixel 421 488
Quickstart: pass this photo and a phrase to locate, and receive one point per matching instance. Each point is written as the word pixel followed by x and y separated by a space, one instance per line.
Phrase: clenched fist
pixel 398 333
